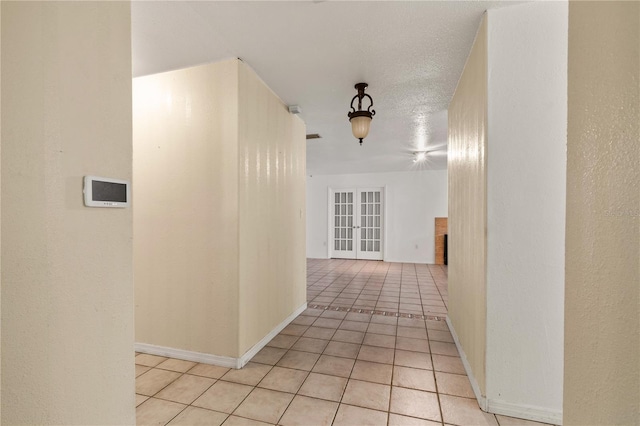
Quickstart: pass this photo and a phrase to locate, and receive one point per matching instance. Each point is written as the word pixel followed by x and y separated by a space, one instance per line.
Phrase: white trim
pixel 383 221
pixel 266 339
pixel 367 255
pixel 343 254
pixel 482 400
pixel 356 254
pixel 522 411
pixel 329 223
pixel 222 361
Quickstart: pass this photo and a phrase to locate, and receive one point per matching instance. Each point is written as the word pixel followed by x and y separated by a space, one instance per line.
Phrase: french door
pixel 356 223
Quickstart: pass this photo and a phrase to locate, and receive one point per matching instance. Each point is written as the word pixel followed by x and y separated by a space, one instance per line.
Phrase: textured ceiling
pixel 311 53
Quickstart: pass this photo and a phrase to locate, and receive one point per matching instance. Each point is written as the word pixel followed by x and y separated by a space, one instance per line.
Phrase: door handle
pixel 356 227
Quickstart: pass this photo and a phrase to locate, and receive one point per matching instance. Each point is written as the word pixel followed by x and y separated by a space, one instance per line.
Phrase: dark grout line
pixel 435 380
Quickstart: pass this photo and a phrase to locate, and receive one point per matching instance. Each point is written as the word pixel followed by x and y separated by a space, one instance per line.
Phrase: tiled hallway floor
pixel 406 288
pixel 333 366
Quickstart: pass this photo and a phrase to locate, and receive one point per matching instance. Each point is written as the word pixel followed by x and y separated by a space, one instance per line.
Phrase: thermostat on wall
pixel 106 192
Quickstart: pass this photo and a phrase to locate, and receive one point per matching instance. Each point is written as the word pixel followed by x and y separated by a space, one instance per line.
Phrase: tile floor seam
pixel 171 419
pixel 345 386
pixel 437 287
pixel 393 369
pixel 153 368
pixel 243 399
pixel 421 304
pixel 434 377
pixel 310 371
pixel 186 405
pixel 347 382
pixel 296 393
pixel 351 281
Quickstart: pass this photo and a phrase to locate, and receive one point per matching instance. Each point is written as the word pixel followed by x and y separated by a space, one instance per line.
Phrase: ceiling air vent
pixel 314 136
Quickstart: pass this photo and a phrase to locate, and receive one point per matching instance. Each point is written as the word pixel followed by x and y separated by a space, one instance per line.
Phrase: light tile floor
pixel 332 366
pixel 370 285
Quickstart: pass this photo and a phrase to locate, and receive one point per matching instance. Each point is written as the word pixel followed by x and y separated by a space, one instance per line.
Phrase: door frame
pixel 383 216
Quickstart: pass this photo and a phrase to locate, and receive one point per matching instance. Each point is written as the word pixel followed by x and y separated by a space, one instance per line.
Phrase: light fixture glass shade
pixel 360 126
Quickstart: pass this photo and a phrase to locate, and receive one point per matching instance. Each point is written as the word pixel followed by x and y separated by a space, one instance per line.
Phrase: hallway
pixel 371 349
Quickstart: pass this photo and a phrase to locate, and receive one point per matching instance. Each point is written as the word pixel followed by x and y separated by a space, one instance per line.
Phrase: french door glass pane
pixel 369 234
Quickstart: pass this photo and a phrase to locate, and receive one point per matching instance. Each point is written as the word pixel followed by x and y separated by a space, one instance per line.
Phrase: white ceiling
pixel 311 53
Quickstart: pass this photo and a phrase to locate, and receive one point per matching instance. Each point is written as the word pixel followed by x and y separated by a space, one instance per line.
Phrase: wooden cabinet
pixel 440 231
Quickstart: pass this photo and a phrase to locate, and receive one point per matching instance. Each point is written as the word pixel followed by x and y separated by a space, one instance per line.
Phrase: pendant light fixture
pixel 361 119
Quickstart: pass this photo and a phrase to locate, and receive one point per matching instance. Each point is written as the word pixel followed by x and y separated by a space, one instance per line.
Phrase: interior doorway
pixel 356 223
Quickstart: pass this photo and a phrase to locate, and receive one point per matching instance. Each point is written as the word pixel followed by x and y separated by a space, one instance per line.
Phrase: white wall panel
pixel 526 174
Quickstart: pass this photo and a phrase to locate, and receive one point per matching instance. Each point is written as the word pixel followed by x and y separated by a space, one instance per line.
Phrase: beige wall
pixel 219 216
pixel 602 323
pixel 185 162
pixel 0 214
pixel 271 210
pixel 67 301
pixel 468 207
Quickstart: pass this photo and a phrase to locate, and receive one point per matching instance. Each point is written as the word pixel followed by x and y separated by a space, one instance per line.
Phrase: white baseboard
pixel 504 408
pixel 527 412
pixel 222 361
pixel 482 400
pixel 242 361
